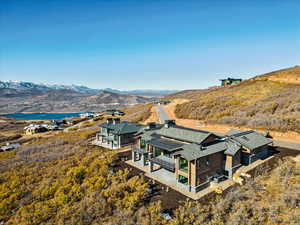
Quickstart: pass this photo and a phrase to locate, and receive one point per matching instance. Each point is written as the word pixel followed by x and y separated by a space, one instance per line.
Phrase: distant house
pixel 114 112
pixel 9 147
pixel 58 122
pixel 115 133
pixel 230 81
pixel 86 115
pixel 35 128
pixel 163 102
pixel 98 114
pixel 191 159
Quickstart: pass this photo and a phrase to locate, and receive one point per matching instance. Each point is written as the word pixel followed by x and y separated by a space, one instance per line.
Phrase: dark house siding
pixel 208 166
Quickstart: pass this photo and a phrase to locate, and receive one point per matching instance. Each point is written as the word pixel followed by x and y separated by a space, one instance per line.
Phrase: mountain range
pixel 31 97
pixel 13 88
pixel 64 100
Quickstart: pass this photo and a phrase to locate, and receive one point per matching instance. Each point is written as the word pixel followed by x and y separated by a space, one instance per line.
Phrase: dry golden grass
pixel 137 113
pixel 290 75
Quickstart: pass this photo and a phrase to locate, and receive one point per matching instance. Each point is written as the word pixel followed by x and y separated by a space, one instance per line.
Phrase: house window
pixel 183 164
pixel 157 151
pixel 183 179
pixel 143 144
pixel 207 161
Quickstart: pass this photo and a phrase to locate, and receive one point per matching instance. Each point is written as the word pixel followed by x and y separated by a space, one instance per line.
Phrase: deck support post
pixel 150 167
pixel 143 159
pixel 133 156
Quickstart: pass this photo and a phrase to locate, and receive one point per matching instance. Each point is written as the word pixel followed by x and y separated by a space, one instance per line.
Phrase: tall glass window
pixel 157 151
pixel 143 144
pixel 183 164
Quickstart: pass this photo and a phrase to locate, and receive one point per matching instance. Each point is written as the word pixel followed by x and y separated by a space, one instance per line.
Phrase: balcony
pixel 165 162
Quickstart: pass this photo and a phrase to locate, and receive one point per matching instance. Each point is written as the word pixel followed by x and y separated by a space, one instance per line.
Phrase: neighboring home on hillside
pixel 115 133
pixel 163 102
pixel 86 115
pixel 9 147
pixel 190 158
pixel 38 128
pixel 114 112
pixel 230 81
pixel 35 128
pixel 58 122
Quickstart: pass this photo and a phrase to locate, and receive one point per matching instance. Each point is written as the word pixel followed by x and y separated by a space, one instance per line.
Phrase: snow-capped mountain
pixel 29 87
pixel 23 86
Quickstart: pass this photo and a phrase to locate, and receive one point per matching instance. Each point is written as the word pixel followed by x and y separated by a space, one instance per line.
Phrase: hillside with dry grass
pixel 270 101
pixel 137 113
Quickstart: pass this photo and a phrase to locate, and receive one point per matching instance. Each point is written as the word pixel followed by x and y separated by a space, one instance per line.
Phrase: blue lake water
pixel 41 116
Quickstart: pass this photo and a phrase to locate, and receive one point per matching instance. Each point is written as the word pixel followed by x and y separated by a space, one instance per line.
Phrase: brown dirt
pixel 153 117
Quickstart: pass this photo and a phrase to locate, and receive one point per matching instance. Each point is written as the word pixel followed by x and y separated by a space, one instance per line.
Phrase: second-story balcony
pixel 165 162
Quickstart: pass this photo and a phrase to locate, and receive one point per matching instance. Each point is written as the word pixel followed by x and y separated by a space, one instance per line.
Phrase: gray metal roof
pixel 232 147
pixel 165 144
pixel 184 134
pixel 194 151
pixel 249 139
pixel 122 127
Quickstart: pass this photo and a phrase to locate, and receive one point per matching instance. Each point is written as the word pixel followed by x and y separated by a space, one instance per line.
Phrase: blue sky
pixel 159 44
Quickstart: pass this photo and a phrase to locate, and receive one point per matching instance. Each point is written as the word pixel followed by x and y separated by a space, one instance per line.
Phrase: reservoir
pixel 41 116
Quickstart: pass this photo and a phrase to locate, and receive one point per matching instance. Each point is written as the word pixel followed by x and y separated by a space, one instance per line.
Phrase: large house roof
pixel 249 139
pixel 194 151
pixel 184 134
pixel 232 147
pixel 122 127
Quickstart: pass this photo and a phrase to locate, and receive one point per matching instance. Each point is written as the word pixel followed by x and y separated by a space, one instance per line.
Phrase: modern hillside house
pixel 230 81
pixel 192 158
pixel 116 134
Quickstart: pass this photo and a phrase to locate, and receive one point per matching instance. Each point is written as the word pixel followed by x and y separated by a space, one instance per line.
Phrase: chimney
pixel 151 126
pixel 116 120
pixel 202 148
pixel 109 120
pixel 169 123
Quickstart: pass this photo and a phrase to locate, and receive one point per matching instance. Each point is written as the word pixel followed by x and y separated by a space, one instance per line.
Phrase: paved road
pixel 162 115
